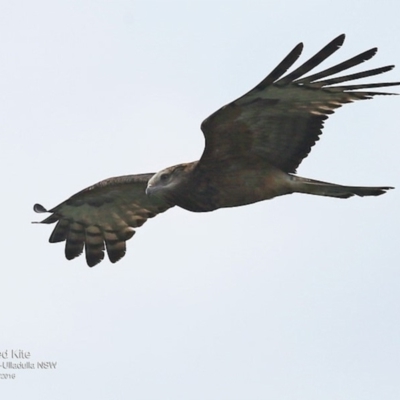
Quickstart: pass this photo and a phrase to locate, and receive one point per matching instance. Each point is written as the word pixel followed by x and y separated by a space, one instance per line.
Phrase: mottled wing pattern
pixel 282 117
pixel 103 217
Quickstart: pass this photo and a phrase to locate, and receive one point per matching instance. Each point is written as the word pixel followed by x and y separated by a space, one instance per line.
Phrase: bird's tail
pixel 319 188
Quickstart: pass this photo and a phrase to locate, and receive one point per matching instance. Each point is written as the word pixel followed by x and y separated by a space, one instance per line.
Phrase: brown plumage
pixel 253 148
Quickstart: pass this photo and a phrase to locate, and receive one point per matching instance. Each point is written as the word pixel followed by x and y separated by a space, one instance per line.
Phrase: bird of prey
pixel 253 147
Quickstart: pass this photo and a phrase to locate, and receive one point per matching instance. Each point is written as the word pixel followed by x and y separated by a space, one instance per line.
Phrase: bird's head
pixel 165 182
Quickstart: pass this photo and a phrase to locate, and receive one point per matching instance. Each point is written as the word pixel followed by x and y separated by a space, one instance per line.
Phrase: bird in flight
pixel 253 147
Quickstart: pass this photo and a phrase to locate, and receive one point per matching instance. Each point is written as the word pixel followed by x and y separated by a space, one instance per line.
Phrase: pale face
pixel 163 180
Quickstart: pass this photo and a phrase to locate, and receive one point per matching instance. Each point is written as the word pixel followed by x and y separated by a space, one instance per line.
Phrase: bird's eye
pixel 163 177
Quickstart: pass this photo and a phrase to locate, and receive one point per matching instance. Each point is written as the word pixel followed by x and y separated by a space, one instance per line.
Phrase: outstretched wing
pixel 103 217
pixel 282 117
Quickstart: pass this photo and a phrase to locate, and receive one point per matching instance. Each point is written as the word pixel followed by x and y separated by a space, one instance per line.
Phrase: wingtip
pixel 38 208
pixel 369 53
pixel 297 50
pixel 339 40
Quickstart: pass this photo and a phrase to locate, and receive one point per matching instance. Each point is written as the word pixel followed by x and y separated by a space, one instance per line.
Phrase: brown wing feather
pixel 102 217
pixel 282 117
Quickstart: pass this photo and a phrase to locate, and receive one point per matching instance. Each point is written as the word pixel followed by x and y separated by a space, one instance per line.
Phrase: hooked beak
pixel 150 190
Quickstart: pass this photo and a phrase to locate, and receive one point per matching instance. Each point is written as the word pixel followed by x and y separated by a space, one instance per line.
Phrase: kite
pixel 253 147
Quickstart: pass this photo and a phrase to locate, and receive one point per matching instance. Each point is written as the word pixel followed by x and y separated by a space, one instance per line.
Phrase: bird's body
pixel 199 192
pixel 253 148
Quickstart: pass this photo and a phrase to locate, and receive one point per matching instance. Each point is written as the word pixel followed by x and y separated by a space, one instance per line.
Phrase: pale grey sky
pixel 294 298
